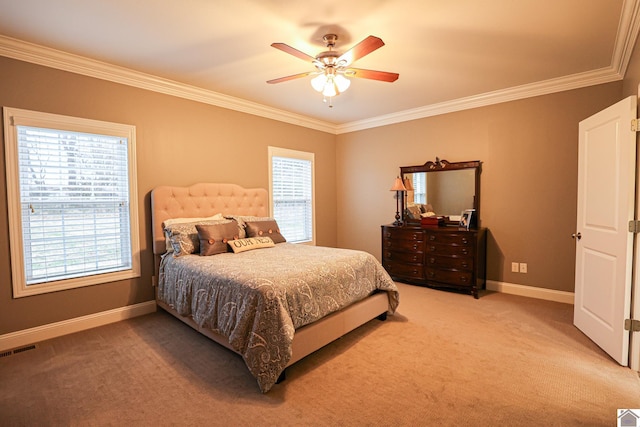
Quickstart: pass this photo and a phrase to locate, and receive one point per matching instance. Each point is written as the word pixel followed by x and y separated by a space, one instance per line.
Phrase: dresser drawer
pixel 460 278
pixel 449 262
pixel 453 250
pixel 411 257
pixel 403 245
pixel 403 234
pixel 409 271
pixel 459 239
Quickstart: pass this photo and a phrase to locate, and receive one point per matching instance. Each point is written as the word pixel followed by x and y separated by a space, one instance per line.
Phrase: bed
pixel 273 305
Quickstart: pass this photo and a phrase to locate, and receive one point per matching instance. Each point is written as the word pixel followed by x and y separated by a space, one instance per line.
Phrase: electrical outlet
pixel 514 267
pixel 523 267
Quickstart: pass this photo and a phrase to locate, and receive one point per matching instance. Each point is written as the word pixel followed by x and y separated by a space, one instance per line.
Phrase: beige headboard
pixel 202 200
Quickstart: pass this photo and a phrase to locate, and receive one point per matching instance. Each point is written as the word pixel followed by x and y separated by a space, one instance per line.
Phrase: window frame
pixel 14 117
pixel 300 155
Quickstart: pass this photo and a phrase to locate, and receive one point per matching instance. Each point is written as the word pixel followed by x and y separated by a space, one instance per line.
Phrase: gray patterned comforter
pixel 258 298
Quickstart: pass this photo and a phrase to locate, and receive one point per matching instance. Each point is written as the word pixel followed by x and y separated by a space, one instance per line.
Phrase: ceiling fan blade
pixel 293 77
pixel 293 51
pixel 372 74
pixel 363 48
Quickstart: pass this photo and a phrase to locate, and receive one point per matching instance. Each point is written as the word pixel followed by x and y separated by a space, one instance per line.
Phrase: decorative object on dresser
pixel 433 244
pixel 399 188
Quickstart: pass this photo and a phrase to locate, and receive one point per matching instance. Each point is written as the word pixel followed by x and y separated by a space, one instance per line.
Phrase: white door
pixel 604 245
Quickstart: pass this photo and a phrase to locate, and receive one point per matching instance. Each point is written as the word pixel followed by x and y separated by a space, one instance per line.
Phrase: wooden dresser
pixel 443 257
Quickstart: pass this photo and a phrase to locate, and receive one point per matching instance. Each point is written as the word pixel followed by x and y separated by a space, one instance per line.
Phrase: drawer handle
pixel 465 265
pixel 387 235
pixel 432 260
pixel 432 237
pixel 465 241
pixel 464 252
pixel 463 279
pixel 432 248
pixel 432 274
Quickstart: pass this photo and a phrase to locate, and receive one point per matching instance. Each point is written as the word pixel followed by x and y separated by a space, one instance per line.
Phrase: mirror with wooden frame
pixel 445 188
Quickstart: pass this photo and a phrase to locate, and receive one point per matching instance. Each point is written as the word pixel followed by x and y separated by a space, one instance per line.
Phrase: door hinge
pixel 632 325
pixel 634 226
pixel 635 126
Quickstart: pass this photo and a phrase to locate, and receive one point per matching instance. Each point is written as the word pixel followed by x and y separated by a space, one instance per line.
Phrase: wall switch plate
pixel 523 267
pixel 514 267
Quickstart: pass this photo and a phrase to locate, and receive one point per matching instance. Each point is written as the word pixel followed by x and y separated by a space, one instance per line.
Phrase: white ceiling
pixel 450 54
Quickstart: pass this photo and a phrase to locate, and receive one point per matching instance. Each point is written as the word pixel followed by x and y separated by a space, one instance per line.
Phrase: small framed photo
pixel 466 218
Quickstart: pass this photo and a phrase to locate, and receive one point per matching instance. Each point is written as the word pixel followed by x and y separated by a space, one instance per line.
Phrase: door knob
pixel 576 236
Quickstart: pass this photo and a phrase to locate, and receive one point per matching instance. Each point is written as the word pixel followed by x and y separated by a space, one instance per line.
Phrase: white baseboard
pixel 53 330
pixel 531 291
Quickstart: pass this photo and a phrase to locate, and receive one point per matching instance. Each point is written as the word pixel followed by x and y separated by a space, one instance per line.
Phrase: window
pixel 292 182
pixel 72 198
pixel 420 187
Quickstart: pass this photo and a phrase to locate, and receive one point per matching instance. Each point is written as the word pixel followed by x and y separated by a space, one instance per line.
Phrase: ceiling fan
pixel 332 69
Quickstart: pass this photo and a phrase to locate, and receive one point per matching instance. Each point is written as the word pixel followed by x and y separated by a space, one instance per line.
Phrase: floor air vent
pixel 18 350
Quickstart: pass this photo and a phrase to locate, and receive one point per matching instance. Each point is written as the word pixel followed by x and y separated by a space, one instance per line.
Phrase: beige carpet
pixel 444 359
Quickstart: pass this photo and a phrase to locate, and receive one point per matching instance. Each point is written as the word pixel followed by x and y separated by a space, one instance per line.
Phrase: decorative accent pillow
pixel 171 221
pixel 242 219
pixel 213 238
pixel 267 228
pixel 183 237
pixel 250 243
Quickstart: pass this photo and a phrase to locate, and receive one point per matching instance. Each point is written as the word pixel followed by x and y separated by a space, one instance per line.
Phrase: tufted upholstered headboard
pixel 202 200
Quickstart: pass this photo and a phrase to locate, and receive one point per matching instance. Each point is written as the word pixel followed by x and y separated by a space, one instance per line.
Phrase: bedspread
pixel 258 298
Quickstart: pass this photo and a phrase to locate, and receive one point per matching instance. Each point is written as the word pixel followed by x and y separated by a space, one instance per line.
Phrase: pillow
pixel 264 229
pixel 167 243
pixel 183 237
pixel 172 221
pixel 213 238
pixel 250 243
pixel 241 219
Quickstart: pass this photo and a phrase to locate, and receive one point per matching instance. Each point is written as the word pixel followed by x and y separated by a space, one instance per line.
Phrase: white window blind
pixel 420 187
pixel 72 201
pixel 74 194
pixel 292 196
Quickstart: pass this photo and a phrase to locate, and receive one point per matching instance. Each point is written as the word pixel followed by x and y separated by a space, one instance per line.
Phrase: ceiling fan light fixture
pixel 342 82
pixel 318 82
pixel 330 88
pixel 332 73
pixel 330 84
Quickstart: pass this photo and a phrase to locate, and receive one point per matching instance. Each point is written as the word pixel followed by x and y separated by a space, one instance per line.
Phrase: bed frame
pixel 205 199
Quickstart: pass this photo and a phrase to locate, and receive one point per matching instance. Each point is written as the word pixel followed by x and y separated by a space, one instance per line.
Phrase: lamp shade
pixel 318 82
pixel 407 184
pixel 342 82
pixel 398 185
pixel 330 84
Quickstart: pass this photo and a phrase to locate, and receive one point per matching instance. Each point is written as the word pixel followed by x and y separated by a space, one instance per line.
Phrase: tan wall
pixel 179 142
pixel 529 150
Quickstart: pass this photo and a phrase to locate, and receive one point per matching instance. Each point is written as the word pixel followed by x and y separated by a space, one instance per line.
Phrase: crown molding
pixel 575 81
pixel 53 58
pixel 628 29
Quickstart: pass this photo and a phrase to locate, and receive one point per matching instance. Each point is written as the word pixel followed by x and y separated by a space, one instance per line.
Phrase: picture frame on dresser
pixel 467 218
